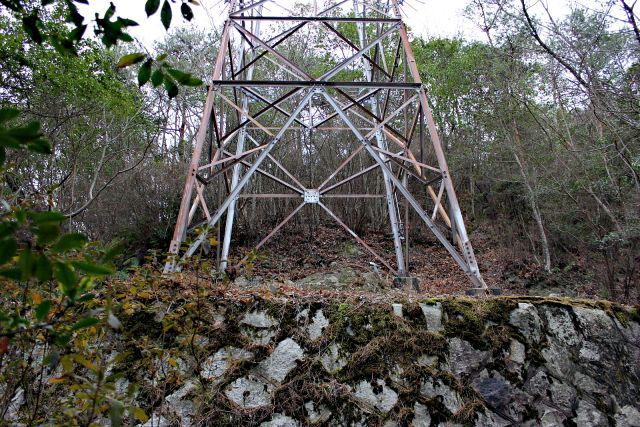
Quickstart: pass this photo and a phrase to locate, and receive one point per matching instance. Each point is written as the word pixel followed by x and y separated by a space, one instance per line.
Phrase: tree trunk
pixel 536 215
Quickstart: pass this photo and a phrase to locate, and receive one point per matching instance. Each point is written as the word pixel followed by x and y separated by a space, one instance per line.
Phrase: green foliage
pixel 163 73
pixel 111 29
pixel 26 136
pixel 165 14
pixel 47 305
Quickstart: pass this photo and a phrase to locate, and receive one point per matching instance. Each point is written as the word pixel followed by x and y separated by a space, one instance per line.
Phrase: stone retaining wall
pixel 444 362
pixel 437 363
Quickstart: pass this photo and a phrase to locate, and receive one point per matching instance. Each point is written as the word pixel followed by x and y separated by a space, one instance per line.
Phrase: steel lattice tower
pixel 366 98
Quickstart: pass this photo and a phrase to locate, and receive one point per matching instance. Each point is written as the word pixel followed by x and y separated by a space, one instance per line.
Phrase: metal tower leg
pixel 476 280
pixel 182 221
pixel 468 253
pixel 231 211
pixel 392 206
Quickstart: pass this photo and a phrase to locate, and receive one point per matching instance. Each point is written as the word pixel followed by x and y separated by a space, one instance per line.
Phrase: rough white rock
pixel 214 367
pixel 259 319
pixel 433 316
pixel 282 360
pixel 628 417
pixel 317 326
pixel 332 360
pixel 557 361
pixel 259 336
pixel 156 421
pixel 218 320
pixel 280 420
pixel 517 352
pixel 421 416
pixel 596 324
pixel 590 352
pixel 463 358
pixel 527 320
pixel 182 392
pixel 538 384
pixel 383 398
pixel 562 395
pixel 198 341
pixel 397 309
pixel 121 385
pixel 303 316
pixel 490 419
pixel 550 417
pixel 588 415
pixel 17 401
pixel 426 360
pixel 249 392
pixel 560 325
pixel 317 415
pixel 185 410
pixel 585 383
pixel 450 398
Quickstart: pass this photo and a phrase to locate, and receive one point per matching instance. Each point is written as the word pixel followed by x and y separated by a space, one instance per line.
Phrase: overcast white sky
pixel 429 18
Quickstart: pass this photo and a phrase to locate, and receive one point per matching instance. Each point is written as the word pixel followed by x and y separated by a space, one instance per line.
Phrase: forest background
pixel 539 117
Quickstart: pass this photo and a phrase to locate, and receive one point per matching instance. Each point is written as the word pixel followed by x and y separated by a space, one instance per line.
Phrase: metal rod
pixel 392 207
pixel 307 83
pixel 274 178
pixel 273 232
pixel 183 213
pixel 341 166
pixel 412 201
pixel 262 111
pixel 357 55
pixel 349 179
pixel 244 111
pixel 245 179
pixel 281 167
pixel 315 19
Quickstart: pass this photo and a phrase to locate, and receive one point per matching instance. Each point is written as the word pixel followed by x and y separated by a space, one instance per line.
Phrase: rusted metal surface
pixel 371 105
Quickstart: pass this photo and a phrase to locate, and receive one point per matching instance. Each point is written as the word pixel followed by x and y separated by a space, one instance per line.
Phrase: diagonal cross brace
pixel 242 183
pixel 473 274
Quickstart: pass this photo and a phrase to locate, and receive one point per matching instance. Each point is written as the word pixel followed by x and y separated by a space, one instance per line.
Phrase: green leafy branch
pixel 158 72
pixel 47 278
pixel 111 30
pixel 27 136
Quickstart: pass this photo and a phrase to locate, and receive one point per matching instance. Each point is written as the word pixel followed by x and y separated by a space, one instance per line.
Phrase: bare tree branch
pixel 556 56
pixel 108 183
pixel 631 18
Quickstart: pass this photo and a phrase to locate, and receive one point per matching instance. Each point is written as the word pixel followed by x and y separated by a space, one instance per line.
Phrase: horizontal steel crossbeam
pixel 308 83
pixel 315 19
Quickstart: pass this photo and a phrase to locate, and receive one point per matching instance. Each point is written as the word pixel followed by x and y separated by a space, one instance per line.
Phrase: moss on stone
pixel 372 338
pixel 468 318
